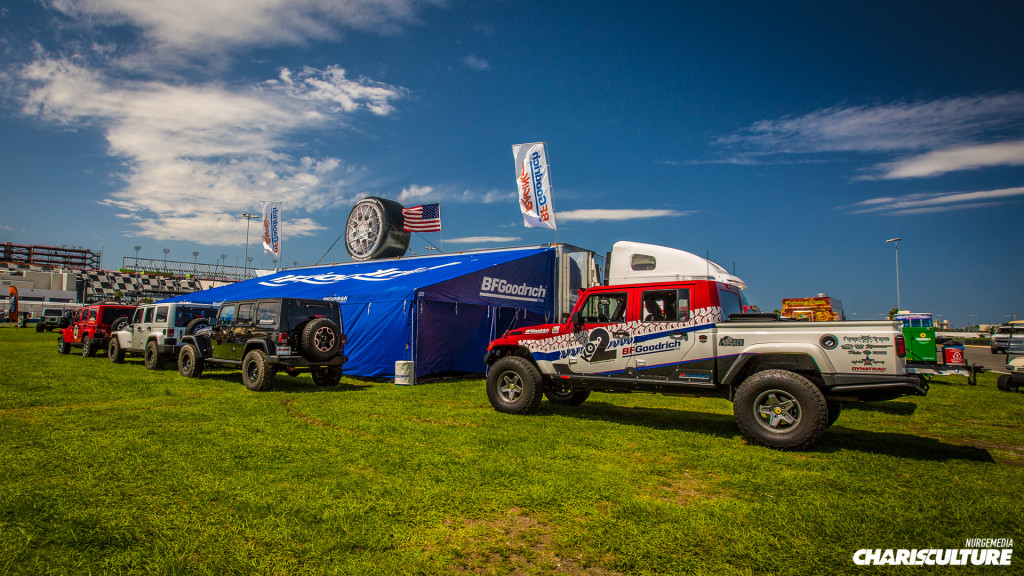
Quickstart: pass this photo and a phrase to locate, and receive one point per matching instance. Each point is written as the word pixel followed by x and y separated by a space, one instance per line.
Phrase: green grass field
pixel 113 469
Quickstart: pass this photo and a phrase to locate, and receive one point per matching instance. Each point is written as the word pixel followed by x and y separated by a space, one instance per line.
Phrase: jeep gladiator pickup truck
pixel 787 380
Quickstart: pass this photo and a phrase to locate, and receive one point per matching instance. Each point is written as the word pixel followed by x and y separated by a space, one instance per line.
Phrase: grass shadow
pixel 835 439
pixel 896 408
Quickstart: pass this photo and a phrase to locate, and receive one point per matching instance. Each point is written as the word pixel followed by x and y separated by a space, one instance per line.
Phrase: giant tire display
pixel 374 230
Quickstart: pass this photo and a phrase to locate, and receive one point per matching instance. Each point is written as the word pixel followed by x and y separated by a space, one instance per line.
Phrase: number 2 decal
pixel 596 349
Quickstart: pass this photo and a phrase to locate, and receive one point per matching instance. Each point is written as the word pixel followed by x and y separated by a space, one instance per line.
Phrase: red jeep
pixel 91 327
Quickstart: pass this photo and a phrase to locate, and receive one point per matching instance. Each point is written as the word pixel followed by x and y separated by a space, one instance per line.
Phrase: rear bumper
pixel 870 388
pixel 300 362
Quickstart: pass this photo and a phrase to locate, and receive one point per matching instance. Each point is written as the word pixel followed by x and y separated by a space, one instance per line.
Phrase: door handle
pixel 679 336
pixel 620 334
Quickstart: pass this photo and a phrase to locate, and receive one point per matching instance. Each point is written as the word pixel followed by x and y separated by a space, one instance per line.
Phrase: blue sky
pixel 786 140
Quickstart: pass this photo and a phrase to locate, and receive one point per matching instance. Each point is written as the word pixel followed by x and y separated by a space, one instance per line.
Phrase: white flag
pixel 534 185
pixel 272 228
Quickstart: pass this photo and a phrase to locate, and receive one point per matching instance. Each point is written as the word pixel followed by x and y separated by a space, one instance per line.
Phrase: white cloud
pixel 475 63
pixel 208 26
pixel 415 194
pixel 594 214
pixel 960 158
pixel 196 155
pixel 482 239
pixel 885 128
pixel 928 203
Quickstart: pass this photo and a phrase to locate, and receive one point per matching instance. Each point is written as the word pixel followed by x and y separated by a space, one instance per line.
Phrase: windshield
pixel 299 312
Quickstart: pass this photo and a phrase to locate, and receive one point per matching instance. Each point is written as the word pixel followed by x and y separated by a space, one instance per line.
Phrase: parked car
pixel 91 327
pixel 1012 381
pixel 264 335
pixel 999 338
pixel 50 319
pixel 155 331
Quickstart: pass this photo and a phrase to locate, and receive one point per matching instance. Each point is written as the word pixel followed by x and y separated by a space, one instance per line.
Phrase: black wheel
pixel 514 386
pixel 196 324
pixel 65 321
pixel 152 356
pixel 114 352
pixel 834 408
pixel 566 396
pixel 321 340
pixel 257 373
pixel 374 230
pixel 190 363
pixel 39 326
pixel 1006 383
pixel 119 324
pixel 87 348
pixel 327 376
pixel 62 346
pixel 780 409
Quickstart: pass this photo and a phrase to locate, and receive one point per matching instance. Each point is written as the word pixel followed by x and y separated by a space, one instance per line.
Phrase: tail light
pixel 341 342
pixel 901 346
pixel 282 338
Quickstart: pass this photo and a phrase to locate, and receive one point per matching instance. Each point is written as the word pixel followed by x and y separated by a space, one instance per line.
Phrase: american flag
pixel 424 218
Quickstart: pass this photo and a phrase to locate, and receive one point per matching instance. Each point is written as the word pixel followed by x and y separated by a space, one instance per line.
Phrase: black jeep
pixel 267 334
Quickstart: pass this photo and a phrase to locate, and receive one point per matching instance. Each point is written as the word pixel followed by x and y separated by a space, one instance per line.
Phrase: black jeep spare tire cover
pixel 321 340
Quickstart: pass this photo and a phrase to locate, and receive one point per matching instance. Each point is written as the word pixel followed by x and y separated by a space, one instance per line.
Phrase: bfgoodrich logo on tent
pixel 501 288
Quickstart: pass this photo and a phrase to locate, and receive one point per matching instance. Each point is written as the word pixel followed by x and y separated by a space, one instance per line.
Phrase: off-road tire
pixel 320 340
pixel 327 376
pixel 374 229
pixel 88 349
pixel 190 362
pixel 194 325
pixel 834 409
pixel 514 386
pixel 780 409
pixel 565 395
pixel 114 351
pixel 118 324
pixel 257 373
pixel 153 361
pixel 62 346
pixel 39 326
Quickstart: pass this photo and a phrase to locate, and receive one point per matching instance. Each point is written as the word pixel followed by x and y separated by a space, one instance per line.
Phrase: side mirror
pixel 577 319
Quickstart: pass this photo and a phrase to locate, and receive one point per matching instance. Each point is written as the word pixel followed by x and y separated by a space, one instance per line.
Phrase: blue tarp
pixel 440 311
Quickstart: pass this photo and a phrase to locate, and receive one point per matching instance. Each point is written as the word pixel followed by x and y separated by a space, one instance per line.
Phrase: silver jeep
pixel 155 331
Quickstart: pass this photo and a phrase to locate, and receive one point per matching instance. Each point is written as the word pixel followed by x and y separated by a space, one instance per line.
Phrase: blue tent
pixel 439 311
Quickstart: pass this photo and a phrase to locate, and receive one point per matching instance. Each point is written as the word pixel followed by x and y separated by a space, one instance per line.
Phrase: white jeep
pixel 155 331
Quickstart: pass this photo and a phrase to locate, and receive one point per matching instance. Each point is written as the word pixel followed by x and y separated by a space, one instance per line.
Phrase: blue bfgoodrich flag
pixel 424 218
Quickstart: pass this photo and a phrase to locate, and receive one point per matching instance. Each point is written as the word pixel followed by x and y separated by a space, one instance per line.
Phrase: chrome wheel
pixel 365 230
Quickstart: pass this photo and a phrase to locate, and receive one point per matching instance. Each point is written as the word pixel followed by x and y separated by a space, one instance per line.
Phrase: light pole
pixel 223 263
pixel 137 248
pixel 248 218
pixel 896 243
pixel 195 265
pixel 166 250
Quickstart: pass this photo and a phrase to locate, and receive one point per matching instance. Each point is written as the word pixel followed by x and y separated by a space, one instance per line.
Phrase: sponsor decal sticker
pixel 829 342
pixel 730 341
